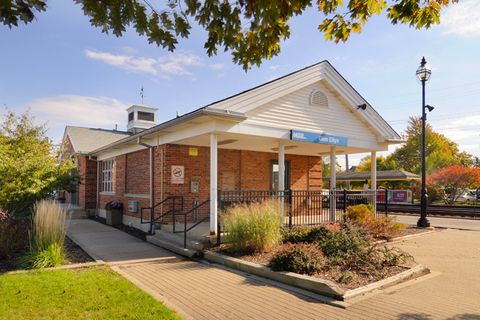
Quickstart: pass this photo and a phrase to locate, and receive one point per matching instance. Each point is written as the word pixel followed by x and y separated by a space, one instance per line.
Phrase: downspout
pixel 162 157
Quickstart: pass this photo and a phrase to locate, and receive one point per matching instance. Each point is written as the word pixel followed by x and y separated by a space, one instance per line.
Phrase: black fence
pixel 306 207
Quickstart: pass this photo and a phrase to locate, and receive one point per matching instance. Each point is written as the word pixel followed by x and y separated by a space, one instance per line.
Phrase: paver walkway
pixel 205 291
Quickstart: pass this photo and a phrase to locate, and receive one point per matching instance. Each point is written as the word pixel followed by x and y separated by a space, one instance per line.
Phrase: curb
pixel 319 286
pixel 322 287
pixel 415 272
pixel 64 267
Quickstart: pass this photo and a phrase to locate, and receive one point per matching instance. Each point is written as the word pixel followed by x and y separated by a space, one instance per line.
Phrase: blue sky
pixel 68 72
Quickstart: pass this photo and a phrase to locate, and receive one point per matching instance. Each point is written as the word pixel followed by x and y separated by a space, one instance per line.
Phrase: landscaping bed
pixel 337 259
pixel 332 273
pixel 73 255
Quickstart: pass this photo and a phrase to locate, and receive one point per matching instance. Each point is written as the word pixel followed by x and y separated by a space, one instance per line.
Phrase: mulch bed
pixel 412 230
pixel 331 274
pixel 130 230
pixel 74 254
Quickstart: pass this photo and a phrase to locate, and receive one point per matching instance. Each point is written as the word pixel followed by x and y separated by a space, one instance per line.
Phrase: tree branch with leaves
pixel 251 30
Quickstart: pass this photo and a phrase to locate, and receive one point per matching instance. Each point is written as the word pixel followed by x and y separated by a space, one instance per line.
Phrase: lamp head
pixel 429 107
pixel 423 73
pixel 362 106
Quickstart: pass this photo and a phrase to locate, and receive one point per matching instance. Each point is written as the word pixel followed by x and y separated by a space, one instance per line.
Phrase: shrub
pixel 13 235
pixel 317 234
pixel 48 234
pixel 379 228
pixel 253 227
pixel 303 234
pixel 374 260
pixel 341 245
pixel 301 258
pixel 359 213
pixel 383 228
pixel 295 234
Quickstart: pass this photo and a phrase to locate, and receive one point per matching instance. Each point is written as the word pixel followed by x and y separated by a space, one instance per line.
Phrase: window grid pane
pixel 107 175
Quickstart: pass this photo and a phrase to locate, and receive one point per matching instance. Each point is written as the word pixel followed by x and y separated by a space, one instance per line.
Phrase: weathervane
pixel 141 93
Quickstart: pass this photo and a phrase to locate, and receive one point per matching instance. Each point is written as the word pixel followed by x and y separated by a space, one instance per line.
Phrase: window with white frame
pixel 108 167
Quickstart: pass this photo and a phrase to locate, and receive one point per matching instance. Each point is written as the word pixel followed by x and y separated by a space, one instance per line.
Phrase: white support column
pixel 333 183
pixel 213 184
pixel 373 178
pixel 281 166
pixel 281 175
pixel 333 167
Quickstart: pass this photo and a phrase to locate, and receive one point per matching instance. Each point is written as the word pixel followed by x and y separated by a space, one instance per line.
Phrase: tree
pixel 28 169
pixel 383 163
pixel 251 30
pixel 441 151
pixel 453 181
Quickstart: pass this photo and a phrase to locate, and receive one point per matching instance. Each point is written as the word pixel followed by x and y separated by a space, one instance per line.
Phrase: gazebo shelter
pixel 382 175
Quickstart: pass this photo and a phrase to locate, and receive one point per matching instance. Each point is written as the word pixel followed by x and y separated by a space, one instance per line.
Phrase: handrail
pixel 185 229
pixel 172 211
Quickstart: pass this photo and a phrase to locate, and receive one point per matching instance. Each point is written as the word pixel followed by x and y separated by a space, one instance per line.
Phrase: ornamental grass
pixel 253 227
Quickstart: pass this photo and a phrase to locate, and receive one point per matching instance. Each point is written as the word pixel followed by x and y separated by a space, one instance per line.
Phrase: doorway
pixel 274 169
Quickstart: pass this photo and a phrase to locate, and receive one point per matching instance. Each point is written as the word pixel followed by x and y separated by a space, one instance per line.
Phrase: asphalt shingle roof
pixel 85 140
pixel 381 175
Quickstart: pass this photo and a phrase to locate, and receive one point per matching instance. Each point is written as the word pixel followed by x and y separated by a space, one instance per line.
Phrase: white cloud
pixel 176 64
pixel 462 19
pixel 217 66
pixel 77 110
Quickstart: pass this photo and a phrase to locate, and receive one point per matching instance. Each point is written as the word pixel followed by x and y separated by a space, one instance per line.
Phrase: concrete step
pixel 77 213
pixel 174 246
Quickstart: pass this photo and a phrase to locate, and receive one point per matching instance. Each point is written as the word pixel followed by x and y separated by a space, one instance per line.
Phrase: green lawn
pixel 93 293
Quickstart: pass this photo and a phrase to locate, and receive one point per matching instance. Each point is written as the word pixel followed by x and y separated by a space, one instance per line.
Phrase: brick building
pixel 271 137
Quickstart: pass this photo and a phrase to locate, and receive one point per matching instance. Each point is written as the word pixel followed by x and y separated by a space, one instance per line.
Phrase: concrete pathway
pixel 456 223
pixel 204 291
pixel 112 245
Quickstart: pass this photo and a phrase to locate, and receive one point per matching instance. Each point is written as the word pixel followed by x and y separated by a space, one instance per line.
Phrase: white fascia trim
pixel 373 116
pixel 269 92
pixel 67 135
pixel 369 116
pixel 188 132
pixel 165 138
pixel 284 134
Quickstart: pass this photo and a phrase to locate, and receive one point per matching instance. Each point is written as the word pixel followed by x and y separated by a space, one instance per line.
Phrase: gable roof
pixel 381 175
pixel 235 106
pixel 252 98
pixel 85 140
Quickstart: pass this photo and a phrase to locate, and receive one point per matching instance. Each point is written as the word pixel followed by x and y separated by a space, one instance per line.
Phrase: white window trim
pixel 108 172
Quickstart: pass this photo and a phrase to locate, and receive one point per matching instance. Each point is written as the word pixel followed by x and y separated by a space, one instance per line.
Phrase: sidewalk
pixel 455 223
pixel 204 291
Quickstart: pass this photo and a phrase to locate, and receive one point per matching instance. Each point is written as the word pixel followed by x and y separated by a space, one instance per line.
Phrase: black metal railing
pixel 171 205
pixel 198 217
pixel 308 207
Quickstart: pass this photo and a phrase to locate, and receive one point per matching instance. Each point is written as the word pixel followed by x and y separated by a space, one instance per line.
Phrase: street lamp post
pixel 423 75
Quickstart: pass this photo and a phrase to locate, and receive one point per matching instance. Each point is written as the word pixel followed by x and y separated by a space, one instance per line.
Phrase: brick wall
pixel 238 169
pixel 137 173
pixel 87 189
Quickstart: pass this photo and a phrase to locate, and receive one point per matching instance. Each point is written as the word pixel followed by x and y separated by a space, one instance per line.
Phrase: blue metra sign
pixel 318 138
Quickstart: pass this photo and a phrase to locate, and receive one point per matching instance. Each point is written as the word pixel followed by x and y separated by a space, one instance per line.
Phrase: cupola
pixel 140 117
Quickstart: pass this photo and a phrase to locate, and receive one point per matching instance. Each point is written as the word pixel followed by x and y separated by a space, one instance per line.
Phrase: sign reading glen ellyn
pixel 318 138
